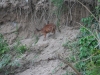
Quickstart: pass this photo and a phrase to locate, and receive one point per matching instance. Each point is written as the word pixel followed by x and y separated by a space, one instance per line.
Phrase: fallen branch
pixel 88 10
pixel 69 64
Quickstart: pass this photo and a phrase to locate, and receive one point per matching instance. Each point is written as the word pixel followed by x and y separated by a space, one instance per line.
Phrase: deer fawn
pixel 47 29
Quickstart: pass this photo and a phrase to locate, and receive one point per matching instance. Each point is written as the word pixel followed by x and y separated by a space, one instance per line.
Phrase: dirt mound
pixel 42 58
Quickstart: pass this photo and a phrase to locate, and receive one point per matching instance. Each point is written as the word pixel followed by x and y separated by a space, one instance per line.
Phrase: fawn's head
pixel 37 32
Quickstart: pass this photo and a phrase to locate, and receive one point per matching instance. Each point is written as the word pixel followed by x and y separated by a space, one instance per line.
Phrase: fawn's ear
pixel 37 29
pixel 46 23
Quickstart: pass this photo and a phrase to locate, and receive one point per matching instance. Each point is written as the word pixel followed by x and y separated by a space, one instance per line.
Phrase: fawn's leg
pixel 44 37
pixel 53 33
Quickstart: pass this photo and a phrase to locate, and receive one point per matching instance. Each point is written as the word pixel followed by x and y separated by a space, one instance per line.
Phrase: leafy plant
pixel 87 48
pixel 6 54
pixel 19 47
pixel 98 0
pixel 87 21
pixel 87 45
pixel 88 51
pixel 3 45
pixel 5 59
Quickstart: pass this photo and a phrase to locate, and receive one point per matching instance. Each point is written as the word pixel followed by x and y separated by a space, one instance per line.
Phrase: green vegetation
pixel 4 49
pixel 86 48
pixel 19 47
pixel 3 46
pixel 6 54
pixel 88 52
pixel 58 11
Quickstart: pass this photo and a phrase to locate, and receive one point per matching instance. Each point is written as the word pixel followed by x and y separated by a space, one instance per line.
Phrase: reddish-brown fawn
pixel 47 29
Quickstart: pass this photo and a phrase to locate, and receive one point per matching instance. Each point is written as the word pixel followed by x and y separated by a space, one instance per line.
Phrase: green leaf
pixel 98 0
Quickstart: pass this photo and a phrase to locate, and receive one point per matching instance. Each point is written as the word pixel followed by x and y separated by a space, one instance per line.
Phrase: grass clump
pixel 3 46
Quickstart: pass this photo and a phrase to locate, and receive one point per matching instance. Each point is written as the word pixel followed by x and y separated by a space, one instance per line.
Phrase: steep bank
pixel 43 57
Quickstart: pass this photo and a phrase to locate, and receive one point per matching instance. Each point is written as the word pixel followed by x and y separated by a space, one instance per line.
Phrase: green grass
pixel 6 54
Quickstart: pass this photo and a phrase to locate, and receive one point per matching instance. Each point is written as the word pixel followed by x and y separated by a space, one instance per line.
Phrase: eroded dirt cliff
pixel 18 20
